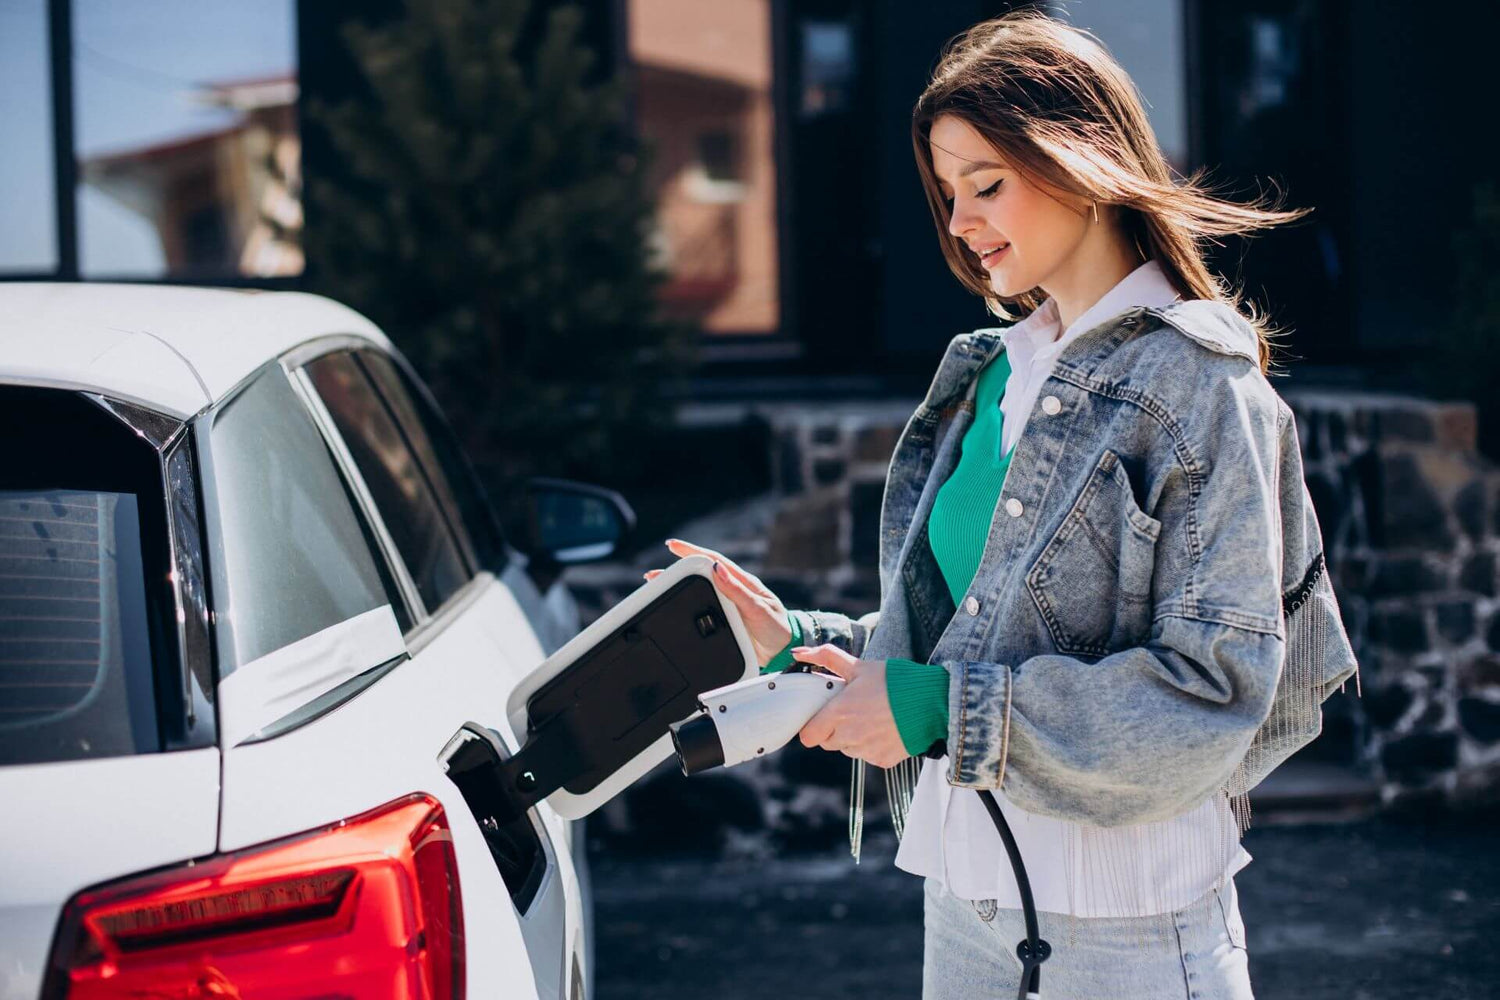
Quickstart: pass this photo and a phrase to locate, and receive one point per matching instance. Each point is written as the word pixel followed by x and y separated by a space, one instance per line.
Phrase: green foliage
pixel 494 221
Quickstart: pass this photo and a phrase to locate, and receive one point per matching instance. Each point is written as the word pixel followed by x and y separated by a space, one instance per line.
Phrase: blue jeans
pixel 1198 952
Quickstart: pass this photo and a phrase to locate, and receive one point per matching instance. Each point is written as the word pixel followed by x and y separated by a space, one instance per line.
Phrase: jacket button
pixel 1013 507
pixel 1051 405
pixel 971 605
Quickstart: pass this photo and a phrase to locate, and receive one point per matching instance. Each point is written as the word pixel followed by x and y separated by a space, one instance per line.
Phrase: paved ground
pixel 1378 909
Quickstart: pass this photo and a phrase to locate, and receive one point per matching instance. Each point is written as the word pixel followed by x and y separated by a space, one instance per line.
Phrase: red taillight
pixel 367 908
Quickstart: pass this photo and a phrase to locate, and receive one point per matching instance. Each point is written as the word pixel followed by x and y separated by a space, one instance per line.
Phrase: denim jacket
pixel 1151 621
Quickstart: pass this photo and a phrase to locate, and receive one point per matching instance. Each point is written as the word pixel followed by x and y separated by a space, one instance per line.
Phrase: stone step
pixel 1313 791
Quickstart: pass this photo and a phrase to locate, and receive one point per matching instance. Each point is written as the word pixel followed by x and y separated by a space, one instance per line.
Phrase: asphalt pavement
pixel 1384 908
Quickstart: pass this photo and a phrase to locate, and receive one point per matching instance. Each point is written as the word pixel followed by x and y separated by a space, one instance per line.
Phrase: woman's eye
pixel 988 192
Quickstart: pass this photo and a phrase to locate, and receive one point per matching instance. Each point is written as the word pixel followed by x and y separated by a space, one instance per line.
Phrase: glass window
pixel 294 557
pixel 704 101
pixel 827 82
pixel 82 531
pixel 1271 107
pixel 1148 39
pixel 28 239
pixel 403 493
pixel 441 451
pixel 189 159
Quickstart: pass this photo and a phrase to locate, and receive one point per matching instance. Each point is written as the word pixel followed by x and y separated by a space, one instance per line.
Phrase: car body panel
pixel 385 743
pixel 173 349
pixel 73 824
pixel 129 366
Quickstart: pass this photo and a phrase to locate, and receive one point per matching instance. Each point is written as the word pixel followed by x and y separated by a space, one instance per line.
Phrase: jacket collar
pixel 1214 324
pixel 1038 333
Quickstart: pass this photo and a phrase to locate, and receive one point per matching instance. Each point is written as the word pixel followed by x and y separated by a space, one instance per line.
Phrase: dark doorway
pixel 1268 85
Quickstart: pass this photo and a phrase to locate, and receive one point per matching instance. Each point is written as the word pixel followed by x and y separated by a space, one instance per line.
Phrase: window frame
pixel 212 504
pixel 196 659
pixel 443 497
pixel 427 623
pixel 65 173
pixel 190 655
pixel 495 561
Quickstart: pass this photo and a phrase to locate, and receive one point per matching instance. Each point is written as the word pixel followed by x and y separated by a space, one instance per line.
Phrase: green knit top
pixel 956 532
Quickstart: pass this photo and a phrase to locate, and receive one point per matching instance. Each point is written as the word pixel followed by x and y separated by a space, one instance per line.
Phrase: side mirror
pixel 561 523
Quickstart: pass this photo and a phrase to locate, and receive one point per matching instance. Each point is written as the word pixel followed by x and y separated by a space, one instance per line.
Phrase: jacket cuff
pixel 827 627
pixel 784 659
pixel 979 723
pixel 918 694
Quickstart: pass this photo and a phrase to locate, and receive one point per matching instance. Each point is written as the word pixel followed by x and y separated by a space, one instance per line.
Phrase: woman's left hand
pixel 857 721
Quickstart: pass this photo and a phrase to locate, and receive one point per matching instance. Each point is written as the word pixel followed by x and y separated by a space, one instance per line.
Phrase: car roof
pixel 171 348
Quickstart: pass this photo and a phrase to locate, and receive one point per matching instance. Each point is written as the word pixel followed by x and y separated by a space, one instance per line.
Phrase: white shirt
pixel 1087 871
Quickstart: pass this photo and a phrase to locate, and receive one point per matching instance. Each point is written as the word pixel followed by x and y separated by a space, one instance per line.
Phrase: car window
pixel 82 535
pixel 440 450
pixel 406 495
pixel 295 559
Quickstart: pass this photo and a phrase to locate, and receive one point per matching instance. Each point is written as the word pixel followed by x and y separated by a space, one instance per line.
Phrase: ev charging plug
pixel 751 718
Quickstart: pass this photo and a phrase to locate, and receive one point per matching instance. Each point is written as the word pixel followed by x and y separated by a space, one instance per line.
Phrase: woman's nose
pixel 962 219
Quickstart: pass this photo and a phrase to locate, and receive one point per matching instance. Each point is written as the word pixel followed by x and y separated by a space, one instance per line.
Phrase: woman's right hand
pixel 763 613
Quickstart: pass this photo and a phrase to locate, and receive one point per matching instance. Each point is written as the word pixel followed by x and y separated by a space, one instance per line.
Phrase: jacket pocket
pixel 1092 581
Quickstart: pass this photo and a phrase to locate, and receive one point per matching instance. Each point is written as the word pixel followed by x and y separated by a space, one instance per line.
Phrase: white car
pixel 251 597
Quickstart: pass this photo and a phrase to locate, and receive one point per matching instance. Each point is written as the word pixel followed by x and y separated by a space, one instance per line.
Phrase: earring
pixel 1096 211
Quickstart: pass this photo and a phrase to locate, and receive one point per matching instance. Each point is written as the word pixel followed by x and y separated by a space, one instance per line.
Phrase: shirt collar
pixel 1036 333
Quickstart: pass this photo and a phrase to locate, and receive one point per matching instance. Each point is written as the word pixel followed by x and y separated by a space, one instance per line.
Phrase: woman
pixel 1102 586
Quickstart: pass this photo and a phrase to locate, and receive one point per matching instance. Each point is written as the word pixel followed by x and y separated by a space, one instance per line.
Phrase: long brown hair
pixel 1051 99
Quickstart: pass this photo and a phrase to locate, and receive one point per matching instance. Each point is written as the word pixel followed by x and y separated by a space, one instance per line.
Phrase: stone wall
pixel 1411 519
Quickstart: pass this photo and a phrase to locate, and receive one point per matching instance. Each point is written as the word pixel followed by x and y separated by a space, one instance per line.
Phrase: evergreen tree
pixel 494 221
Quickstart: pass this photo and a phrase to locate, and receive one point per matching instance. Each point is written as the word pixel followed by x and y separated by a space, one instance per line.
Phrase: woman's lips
pixel 988 261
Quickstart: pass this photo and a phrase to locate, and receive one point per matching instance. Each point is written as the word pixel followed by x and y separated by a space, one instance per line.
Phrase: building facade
pixel 167 142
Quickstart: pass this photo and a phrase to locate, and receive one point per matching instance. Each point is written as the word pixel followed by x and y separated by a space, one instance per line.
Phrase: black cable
pixel 1033 951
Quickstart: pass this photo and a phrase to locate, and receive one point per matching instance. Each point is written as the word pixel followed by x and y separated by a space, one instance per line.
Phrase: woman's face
pixel 993 205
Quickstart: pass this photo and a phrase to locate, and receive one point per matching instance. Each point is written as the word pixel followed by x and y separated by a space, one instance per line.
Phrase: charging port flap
pixel 596 715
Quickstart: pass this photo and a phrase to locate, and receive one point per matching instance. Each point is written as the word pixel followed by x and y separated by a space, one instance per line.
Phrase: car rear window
pixel 82 531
